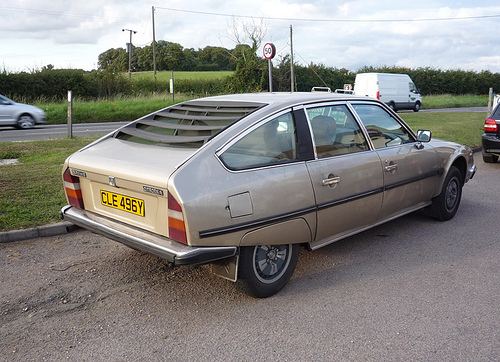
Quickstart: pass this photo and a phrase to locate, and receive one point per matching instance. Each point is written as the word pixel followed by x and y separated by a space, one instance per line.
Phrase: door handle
pixel 391 168
pixel 331 181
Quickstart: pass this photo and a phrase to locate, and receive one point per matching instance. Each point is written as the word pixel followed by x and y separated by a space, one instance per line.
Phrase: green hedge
pixel 52 85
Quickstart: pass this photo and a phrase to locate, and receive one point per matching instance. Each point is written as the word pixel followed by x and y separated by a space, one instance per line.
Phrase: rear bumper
pixel 491 143
pixel 172 251
pixel 471 172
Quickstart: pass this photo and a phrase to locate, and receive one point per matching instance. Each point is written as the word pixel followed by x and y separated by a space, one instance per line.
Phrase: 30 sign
pixel 269 51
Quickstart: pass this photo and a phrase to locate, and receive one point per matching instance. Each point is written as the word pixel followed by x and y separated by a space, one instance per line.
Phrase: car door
pixel 346 175
pixel 6 110
pixel 410 168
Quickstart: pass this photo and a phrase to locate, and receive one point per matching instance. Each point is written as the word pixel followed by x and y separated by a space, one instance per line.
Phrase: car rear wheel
pixel 489 158
pixel 265 269
pixel 445 206
pixel 25 121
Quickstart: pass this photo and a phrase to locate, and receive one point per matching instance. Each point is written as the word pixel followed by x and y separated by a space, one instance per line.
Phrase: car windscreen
pixel 188 124
pixel 496 112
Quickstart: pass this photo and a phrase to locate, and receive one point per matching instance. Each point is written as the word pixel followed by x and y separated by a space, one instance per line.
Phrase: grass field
pixel 461 127
pixel 451 101
pixel 166 76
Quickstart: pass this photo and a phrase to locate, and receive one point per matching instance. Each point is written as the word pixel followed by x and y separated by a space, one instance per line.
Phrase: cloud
pixel 348 34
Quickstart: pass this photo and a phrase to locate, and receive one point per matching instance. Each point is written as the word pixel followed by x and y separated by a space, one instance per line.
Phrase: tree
pixel 250 70
pixel 115 59
pixel 145 58
pixel 214 58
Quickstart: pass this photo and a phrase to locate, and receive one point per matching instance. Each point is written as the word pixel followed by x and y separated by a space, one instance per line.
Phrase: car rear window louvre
pixel 153 137
pixel 166 125
pixel 190 124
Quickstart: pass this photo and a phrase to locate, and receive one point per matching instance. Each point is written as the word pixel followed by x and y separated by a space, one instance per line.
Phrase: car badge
pixel 112 181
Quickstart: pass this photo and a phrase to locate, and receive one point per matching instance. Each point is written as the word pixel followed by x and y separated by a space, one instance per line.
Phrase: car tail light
pixel 490 125
pixel 73 190
pixel 378 95
pixel 176 226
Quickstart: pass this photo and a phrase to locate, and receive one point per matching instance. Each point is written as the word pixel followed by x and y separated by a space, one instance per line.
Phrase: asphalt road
pixel 411 289
pixel 10 134
pixel 53 131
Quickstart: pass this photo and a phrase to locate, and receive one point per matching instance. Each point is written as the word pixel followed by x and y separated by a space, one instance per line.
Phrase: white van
pixel 396 90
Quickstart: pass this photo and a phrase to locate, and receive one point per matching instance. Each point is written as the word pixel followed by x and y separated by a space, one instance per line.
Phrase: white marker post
pixel 269 53
pixel 70 114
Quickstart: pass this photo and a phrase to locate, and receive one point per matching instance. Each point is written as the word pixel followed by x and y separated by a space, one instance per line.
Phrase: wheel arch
pixel 461 164
pixel 294 231
pixel 25 114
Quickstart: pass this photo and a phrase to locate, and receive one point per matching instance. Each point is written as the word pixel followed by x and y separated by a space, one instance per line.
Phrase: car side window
pixel 272 143
pixel 335 131
pixel 383 129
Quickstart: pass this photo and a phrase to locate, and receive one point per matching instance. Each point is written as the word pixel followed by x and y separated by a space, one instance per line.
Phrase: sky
pixel 349 34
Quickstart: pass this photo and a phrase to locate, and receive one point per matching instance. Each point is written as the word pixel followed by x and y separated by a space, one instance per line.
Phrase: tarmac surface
pixel 413 289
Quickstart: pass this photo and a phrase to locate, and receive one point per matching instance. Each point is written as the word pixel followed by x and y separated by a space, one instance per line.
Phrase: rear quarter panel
pixel 205 188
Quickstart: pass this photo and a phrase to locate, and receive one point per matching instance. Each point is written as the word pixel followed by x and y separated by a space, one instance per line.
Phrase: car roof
pixel 282 99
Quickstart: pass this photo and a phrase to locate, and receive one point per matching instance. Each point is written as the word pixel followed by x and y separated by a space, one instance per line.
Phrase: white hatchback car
pixel 19 115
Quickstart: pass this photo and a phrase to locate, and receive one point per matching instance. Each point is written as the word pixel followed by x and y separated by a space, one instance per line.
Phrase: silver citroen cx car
pixel 242 181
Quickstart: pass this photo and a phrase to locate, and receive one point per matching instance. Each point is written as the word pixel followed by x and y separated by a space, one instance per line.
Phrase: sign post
pixel 269 53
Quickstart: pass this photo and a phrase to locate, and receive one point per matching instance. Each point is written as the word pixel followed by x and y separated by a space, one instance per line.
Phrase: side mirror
pixel 422 136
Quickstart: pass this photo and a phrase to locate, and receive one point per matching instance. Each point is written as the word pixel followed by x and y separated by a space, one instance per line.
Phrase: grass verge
pixel 461 127
pixel 116 110
pixel 451 101
pixel 31 193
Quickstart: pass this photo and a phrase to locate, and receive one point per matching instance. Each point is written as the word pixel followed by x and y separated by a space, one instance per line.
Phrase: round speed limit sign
pixel 269 51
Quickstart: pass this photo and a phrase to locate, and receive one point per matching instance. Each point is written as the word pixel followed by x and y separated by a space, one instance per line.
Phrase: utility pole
pixel 154 43
pixel 291 61
pixel 130 52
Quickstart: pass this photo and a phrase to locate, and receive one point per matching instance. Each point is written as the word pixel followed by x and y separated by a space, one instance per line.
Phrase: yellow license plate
pixel 121 202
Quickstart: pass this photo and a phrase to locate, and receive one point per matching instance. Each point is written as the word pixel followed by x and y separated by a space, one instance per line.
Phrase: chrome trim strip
pixel 172 251
pixel 414 179
pixel 255 223
pixel 341 201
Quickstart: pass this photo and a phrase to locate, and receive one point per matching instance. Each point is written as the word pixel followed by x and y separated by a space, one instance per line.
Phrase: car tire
pixel 445 206
pixel 416 107
pixel 265 269
pixel 392 106
pixel 25 121
pixel 489 158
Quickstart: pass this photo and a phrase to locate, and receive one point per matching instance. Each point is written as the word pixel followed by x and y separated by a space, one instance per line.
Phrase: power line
pixel 59 13
pixel 331 20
